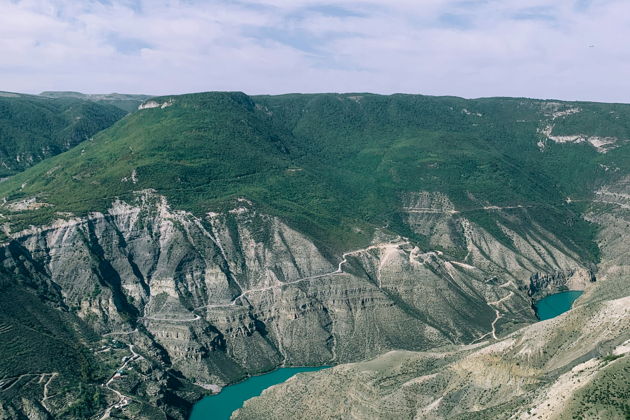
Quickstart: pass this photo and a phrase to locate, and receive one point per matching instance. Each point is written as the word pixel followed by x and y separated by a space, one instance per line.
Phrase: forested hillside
pixel 34 128
pixel 208 237
pixel 338 166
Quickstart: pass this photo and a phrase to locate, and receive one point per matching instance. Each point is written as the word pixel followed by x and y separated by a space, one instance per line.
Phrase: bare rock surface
pixel 237 293
pixel 567 367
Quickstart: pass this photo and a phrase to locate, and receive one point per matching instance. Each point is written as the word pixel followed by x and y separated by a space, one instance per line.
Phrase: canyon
pixel 398 238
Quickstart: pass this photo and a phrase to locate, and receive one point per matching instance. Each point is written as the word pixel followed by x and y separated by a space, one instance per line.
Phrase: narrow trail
pixel 123 399
pixel 467 266
pixel 504 298
pixel 46 396
pixel 452 211
pixel 497 315
pixel 42 376
pixel 338 271
pixel 121 333
pixel 196 318
pixel 616 203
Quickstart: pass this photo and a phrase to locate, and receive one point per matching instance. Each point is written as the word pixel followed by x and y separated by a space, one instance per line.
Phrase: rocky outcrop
pixel 532 373
pixel 248 287
pixel 238 293
pixel 523 249
pixel 544 284
pixel 572 366
pixel 610 211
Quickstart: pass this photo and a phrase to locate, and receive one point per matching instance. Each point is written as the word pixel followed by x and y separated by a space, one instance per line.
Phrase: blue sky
pixel 565 49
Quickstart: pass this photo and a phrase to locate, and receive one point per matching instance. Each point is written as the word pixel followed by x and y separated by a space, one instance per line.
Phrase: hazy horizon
pixel 565 50
pixel 306 93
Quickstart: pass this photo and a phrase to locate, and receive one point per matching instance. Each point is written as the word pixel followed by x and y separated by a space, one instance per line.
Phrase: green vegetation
pixel 33 128
pixel 607 396
pixel 38 339
pixel 28 325
pixel 126 102
pixel 88 401
pixel 335 166
pixel 611 357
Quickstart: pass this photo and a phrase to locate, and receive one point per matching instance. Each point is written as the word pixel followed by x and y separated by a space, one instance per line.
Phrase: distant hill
pixel 326 162
pixel 126 102
pixel 209 237
pixel 33 128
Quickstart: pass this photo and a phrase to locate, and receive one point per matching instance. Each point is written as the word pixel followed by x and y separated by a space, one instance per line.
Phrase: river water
pixel 231 398
pixel 554 305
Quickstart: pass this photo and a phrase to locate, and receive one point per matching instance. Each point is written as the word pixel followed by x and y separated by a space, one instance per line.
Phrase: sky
pixel 562 49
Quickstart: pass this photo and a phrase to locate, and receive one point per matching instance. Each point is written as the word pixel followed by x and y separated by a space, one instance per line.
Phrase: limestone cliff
pixel 218 298
pixel 573 366
pixel 536 372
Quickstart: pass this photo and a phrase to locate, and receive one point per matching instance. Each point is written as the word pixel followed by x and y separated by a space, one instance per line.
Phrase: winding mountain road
pixel 123 399
pixel 498 315
pixel 338 271
pixel 53 375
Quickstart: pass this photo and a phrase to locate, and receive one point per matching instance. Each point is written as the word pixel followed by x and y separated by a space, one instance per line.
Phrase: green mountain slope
pixel 33 128
pixel 126 102
pixel 39 343
pixel 212 236
pixel 336 166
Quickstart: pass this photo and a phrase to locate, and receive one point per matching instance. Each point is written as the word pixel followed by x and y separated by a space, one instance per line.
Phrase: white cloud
pixel 467 48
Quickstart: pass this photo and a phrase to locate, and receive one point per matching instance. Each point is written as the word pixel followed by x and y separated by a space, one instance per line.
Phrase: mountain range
pixel 155 253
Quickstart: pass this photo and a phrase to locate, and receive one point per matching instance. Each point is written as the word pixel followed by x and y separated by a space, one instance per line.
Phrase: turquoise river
pixel 231 398
pixel 554 305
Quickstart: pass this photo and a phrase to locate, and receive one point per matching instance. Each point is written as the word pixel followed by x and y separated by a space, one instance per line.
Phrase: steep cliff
pixel 572 366
pixel 238 293
pixel 209 237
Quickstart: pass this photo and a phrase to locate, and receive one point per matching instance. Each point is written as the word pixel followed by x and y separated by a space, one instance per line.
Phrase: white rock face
pixel 239 292
pixel 601 144
pixel 553 369
pixel 154 104
pixel 533 373
pixel 26 204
